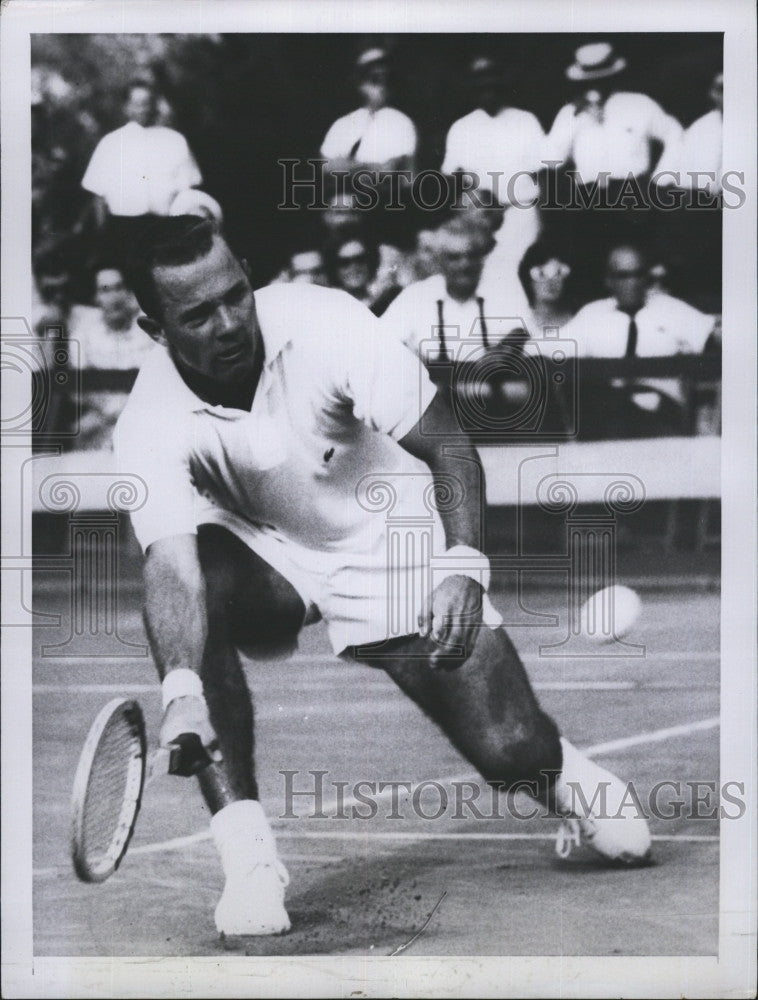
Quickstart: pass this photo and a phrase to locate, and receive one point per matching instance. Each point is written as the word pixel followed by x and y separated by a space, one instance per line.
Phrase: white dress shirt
pixel 505 144
pixel 380 136
pixel 414 317
pixel 698 152
pixel 139 170
pixel 665 327
pixel 619 144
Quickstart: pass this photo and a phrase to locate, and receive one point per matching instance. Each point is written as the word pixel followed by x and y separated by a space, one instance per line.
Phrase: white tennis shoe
pixel 600 811
pixel 253 903
pixel 253 898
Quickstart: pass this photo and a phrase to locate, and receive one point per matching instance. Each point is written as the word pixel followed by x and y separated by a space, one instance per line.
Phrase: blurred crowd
pixel 602 232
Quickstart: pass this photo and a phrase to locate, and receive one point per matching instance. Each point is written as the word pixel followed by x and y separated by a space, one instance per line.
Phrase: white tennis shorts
pixel 372 591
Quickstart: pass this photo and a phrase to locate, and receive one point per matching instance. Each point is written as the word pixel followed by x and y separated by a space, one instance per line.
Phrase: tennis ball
pixel 610 613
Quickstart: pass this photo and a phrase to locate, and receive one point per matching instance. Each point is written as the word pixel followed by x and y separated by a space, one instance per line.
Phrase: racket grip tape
pixel 187 755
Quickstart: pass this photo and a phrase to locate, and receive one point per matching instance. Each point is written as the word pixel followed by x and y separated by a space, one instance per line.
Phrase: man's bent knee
pixel 261 609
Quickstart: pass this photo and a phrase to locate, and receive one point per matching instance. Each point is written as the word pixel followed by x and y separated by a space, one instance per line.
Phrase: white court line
pixel 176 843
pixel 653 737
pixel 463 835
pixel 393 835
pixel 591 751
pixel 320 859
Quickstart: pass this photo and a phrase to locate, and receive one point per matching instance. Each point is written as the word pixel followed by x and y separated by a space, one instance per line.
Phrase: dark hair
pixel 53 263
pixel 636 246
pixel 332 250
pixel 540 252
pixel 166 242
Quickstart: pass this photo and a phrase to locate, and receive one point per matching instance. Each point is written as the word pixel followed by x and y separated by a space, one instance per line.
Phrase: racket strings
pixel 112 792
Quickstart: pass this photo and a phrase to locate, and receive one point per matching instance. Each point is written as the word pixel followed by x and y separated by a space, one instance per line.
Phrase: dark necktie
pixel 631 338
pixel 483 321
pixel 443 357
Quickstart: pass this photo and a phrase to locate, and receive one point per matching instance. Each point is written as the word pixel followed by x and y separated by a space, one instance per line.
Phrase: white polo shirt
pixel 698 152
pixel 139 170
pixel 333 400
pixel 505 143
pixel 381 136
pixel 413 317
pixel 619 144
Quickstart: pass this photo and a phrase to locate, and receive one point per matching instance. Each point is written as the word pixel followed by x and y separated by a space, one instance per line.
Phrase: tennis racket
pixel 111 776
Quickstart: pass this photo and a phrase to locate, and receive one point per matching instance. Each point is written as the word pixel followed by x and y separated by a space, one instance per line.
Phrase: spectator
pixel 436 316
pixel 545 275
pixel 613 139
pixel 307 267
pixel 499 143
pixel 608 133
pixel 695 161
pixel 108 338
pixel 633 322
pixel 51 293
pixel 355 266
pixel 137 171
pixel 691 239
pixel 426 258
pixel 375 135
pixel 343 220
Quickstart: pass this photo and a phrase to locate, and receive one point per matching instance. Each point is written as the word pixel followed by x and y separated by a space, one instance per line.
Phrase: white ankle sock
pixel 243 837
pixel 576 767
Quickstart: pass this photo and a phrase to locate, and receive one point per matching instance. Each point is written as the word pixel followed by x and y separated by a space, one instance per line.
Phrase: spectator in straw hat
pixel 606 132
pixel 613 139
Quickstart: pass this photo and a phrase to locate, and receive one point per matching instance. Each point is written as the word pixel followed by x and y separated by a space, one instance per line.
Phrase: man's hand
pixel 452 620
pixel 186 725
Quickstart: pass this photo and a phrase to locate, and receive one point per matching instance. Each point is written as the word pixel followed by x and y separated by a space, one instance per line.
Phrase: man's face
pixel 208 316
pixel 548 280
pixel 487 86
pixel 141 106
pixel 426 257
pixel 374 87
pixel 462 259
pixel 627 278
pixel 54 289
pixel 113 297
pixel 308 268
pixel 353 268
pixel 340 214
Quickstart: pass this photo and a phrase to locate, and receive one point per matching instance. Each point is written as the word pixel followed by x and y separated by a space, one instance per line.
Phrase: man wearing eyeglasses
pixel 636 321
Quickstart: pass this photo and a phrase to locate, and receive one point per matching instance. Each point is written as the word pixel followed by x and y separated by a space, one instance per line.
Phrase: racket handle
pixel 187 755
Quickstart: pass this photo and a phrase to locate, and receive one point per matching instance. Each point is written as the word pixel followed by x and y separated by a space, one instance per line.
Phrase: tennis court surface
pixel 367 886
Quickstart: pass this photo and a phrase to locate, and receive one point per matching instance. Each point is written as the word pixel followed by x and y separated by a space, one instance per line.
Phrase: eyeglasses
pixel 552 269
pixel 357 259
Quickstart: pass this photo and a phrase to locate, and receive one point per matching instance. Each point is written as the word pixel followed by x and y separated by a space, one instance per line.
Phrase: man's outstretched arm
pixel 455 614
pixel 176 620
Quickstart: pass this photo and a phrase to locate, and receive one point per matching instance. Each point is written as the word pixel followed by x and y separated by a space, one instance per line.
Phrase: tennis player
pixel 282 440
